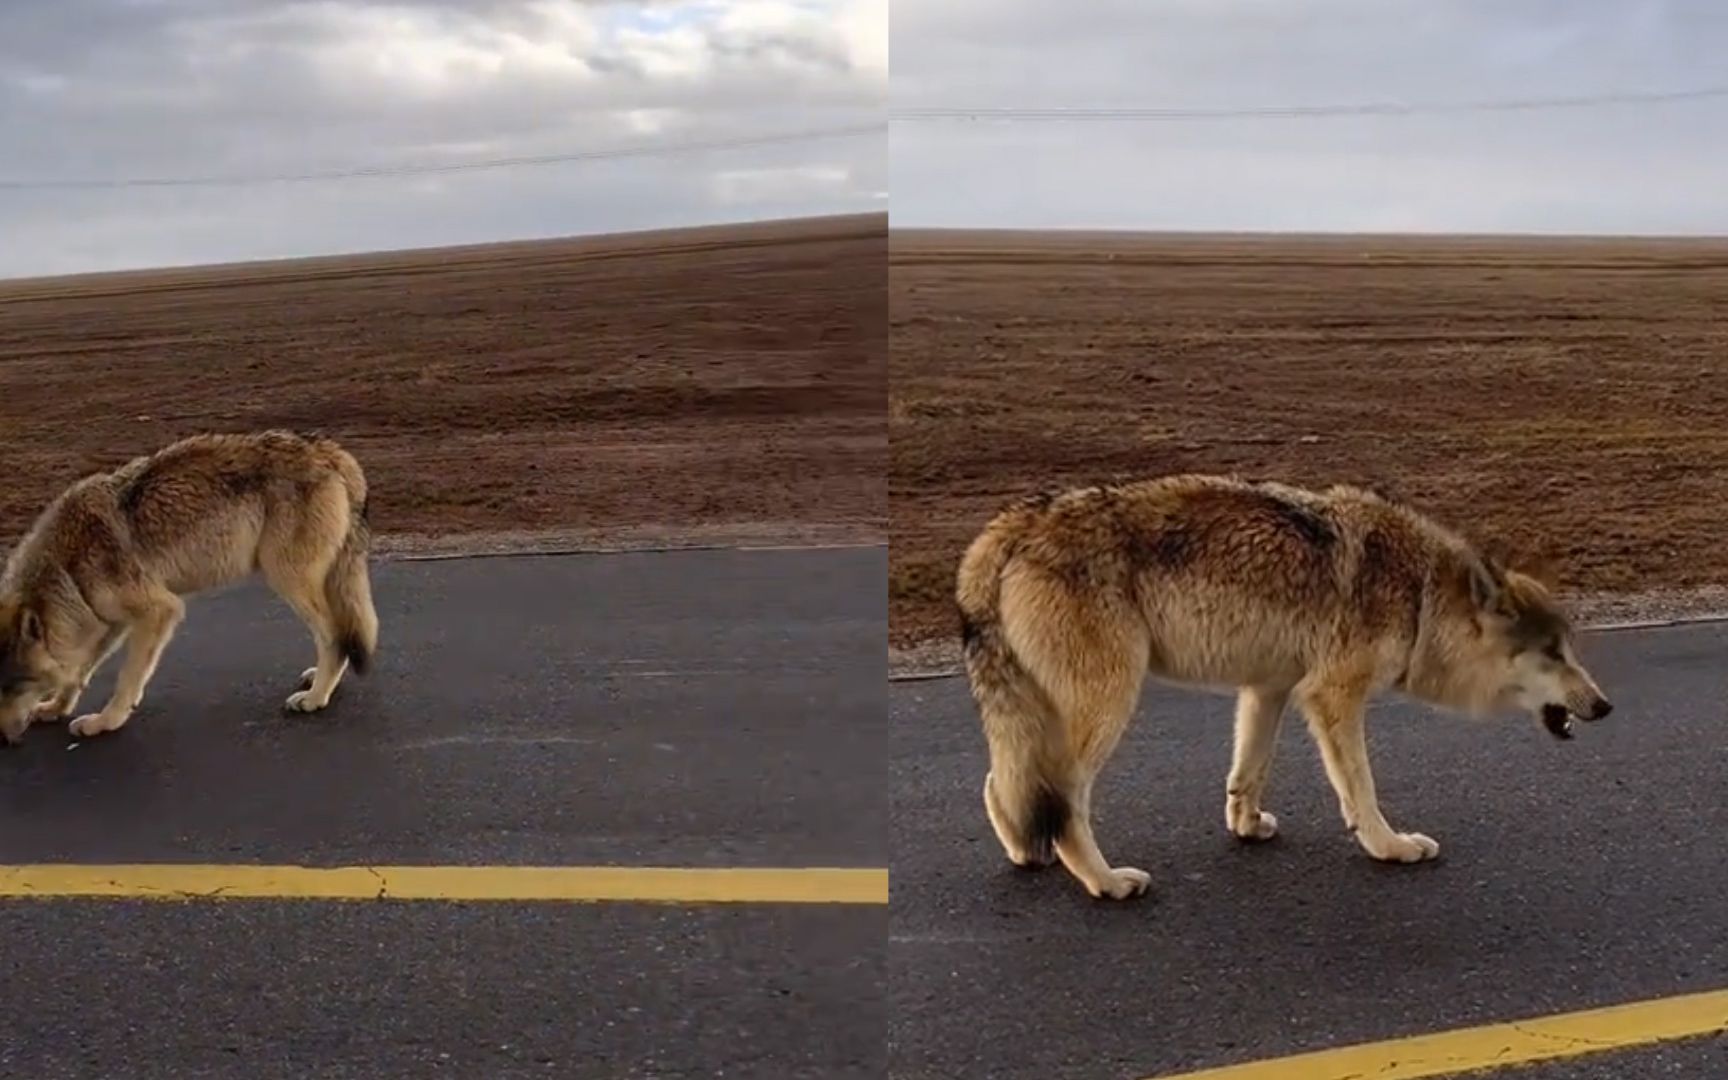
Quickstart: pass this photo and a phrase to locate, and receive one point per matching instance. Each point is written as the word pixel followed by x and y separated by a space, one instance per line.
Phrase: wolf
pixel 1069 600
pixel 107 563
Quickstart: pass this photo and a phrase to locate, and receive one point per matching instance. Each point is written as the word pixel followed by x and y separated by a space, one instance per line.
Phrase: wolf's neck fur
pixel 1437 672
pixel 51 583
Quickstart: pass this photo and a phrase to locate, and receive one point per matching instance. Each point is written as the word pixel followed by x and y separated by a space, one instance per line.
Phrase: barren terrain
pixel 1565 396
pixel 722 384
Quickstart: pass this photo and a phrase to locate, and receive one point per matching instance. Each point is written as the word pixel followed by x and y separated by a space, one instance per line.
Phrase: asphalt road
pixel 1692 1059
pixel 1571 875
pixel 687 709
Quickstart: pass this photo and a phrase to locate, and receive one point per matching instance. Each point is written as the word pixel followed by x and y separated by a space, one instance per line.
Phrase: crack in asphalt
pixel 183 894
pixel 1568 1040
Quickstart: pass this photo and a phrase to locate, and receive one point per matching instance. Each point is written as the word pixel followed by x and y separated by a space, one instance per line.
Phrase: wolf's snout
pixel 1600 708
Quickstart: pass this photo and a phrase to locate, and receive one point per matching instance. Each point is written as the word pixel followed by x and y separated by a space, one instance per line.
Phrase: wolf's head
pixel 27 668
pixel 1524 650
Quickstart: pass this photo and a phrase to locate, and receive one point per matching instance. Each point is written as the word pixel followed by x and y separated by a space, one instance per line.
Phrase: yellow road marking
pixel 578 884
pixel 1523 1042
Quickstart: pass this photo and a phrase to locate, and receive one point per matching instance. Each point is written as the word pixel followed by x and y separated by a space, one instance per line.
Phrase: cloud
pixel 111 89
pixel 772 186
pixel 1615 169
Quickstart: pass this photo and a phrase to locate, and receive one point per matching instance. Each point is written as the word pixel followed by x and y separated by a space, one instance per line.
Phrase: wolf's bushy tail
pixel 348 589
pixel 1020 723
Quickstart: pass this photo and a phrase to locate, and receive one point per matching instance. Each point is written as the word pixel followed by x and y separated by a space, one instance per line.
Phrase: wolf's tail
pixel 349 586
pixel 1023 791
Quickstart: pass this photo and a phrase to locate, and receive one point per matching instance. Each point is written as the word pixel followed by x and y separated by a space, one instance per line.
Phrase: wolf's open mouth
pixel 1557 720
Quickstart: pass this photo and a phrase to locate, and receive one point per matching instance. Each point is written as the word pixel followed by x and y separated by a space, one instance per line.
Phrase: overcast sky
pixel 1625 169
pixel 115 89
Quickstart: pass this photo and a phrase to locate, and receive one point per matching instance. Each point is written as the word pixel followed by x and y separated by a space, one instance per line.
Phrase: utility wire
pixel 369 172
pixel 1291 112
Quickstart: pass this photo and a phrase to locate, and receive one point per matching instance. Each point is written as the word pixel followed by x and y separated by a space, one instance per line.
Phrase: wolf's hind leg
pixel 318 683
pixel 1095 700
pixel 1259 713
pixel 1078 850
pixel 296 567
pixel 1018 838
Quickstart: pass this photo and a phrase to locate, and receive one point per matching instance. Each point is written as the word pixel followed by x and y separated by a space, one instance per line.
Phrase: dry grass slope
pixel 675 384
pixel 1565 396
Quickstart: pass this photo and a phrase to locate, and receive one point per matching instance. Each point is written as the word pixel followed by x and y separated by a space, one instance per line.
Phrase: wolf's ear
pixel 30 627
pixel 1487 583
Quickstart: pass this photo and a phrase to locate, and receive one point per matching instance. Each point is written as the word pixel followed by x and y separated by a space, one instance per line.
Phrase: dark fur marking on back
pixel 1377 575
pixel 1171 546
pixel 132 494
pixel 1378 562
pixel 243 482
pixel 1306 523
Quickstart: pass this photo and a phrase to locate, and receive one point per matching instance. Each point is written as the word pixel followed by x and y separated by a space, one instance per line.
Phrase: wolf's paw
pixel 1408 848
pixel 1262 826
pixel 307 677
pixel 93 724
pixel 1124 882
pixel 11 734
pixel 303 702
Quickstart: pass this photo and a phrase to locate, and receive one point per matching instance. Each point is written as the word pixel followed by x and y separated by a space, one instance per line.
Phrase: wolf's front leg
pixel 1258 713
pixel 146 638
pixel 60 705
pixel 1336 720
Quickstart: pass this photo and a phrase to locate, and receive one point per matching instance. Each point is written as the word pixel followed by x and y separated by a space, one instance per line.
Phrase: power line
pixel 1292 112
pixel 369 172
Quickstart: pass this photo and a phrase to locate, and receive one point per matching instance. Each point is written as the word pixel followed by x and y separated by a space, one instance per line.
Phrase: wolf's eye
pixel 1552 652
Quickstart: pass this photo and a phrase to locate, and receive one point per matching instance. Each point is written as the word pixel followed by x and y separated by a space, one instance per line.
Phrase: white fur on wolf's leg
pixel 1017 854
pixel 1123 883
pixel 308 698
pixel 1078 850
pixel 1402 847
pixel 1248 824
pixel 57 707
pixel 1259 712
pixel 93 724
pixel 304 701
pixel 1347 814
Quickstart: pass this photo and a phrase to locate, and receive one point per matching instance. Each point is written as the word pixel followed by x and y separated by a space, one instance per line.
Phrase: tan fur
pixel 1326 598
pixel 106 565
